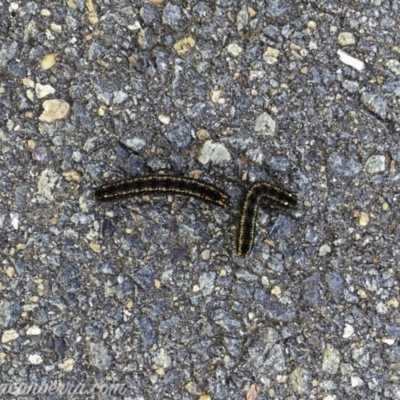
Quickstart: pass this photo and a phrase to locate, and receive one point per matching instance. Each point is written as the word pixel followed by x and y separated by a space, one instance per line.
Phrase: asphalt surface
pixel 148 293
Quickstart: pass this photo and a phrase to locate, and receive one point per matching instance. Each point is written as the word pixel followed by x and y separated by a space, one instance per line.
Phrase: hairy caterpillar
pixel 247 221
pixel 162 184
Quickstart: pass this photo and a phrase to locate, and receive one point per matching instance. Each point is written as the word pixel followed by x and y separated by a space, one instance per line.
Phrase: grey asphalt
pixel 148 293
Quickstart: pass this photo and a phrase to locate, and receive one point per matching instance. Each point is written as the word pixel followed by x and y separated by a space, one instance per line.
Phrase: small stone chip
pixel 346 39
pixel 364 219
pixel 276 291
pixel 35 359
pixel 265 124
pixel 271 55
pixel 72 175
pixel 362 294
pixel 48 61
pixel 67 365
pixel 93 19
pixel 164 119
pixel 375 164
pixel 348 331
pixel 234 49
pixel 331 360
pixel 9 336
pixel 215 152
pixel 54 110
pixel 184 45
pixel 205 254
pixel 95 246
pixel 202 134
pixel 349 60
pixel 394 303
pixel 33 330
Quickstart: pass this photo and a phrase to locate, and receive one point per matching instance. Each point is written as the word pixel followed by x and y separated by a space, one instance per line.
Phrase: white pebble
pixel 14 220
pixel 356 381
pixel 346 38
pixel 164 119
pixel 348 331
pixel 264 124
pixel 33 330
pixel 234 49
pixel 215 152
pixel 389 342
pixel 9 336
pixel 35 359
pixel 349 60
pixel 43 90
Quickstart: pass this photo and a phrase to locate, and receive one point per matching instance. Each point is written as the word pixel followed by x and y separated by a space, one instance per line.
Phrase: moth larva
pixel 162 184
pixel 247 221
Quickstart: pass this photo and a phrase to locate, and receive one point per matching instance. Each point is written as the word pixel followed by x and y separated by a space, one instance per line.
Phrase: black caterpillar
pixel 247 221
pixel 162 184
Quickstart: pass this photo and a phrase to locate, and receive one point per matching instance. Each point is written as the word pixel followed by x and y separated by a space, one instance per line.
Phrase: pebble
pixel 346 39
pixel 43 90
pixel 203 134
pixel 264 124
pixel 205 255
pixel 242 18
pixel 14 217
pixel 9 312
pixel 207 282
pixel 375 164
pixel 393 66
pixel 348 331
pixel 48 61
pixel 214 152
pixel 375 103
pixel 364 219
pixel 35 359
pixel 120 97
pixel 184 45
pixel 162 358
pixel 271 55
pixel 172 15
pixel 234 49
pixel 324 250
pixel 72 175
pixel 349 60
pixel 33 330
pixel 54 110
pixel 40 154
pixel 135 143
pixel 299 380
pixel 98 356
pixel 46 185
pixel 356 381
pixel 164 119
pixel 67 365
pixel 350 86
pixel 276 290
pixel 9 336
pixel 330 359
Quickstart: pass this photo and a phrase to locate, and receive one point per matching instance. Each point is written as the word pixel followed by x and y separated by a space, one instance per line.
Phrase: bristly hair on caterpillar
pixel 248 216
pixel 162 184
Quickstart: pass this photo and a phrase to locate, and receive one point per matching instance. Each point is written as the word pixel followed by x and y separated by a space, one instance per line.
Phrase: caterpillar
pixel 162 184
pixel 247 221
